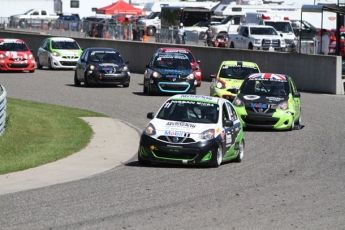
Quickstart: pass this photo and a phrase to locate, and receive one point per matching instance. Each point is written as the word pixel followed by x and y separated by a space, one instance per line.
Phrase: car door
pixel 82 65
pixel 228 130
pixel 43 53
pixel 296 99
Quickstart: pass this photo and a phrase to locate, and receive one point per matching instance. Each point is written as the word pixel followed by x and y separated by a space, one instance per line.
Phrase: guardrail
pixel 3 102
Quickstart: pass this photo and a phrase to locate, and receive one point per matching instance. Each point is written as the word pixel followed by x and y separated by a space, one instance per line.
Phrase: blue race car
pixel 169 73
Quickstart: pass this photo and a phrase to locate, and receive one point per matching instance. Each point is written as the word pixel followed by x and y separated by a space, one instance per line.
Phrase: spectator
pixel 324 41
pixel 125 32
pixel 208 36
pixel 179 35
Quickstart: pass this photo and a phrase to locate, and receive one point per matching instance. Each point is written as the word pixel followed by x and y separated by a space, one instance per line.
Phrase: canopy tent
pixel 120 7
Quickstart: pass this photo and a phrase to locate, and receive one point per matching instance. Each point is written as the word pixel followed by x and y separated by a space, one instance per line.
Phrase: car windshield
pixel 171 61
pixel 284 27
pixel 263 31
pixel 189 55
pixel 265 87
pixel 105 56
pixel 66 45
pixel 189 111
pixel 236 72
pixel 13 46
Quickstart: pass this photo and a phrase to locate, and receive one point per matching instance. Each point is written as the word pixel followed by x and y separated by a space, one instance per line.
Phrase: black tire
pixel 151 31
pixel 39 66
pixel 250 46
pixel 240 153
pixel 76 81
pixel 149 92
pixel 143 162
pixel 22 23
pixel 218 157
pixel 298 122
pixel 50 64
pixel 126 85
pixel 32 71
pixel 144 89
pixel 87 81
pixel 87 35
pixel 292 127
pixel 232 45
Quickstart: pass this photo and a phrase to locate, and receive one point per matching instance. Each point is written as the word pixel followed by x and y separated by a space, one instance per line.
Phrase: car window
pixel 189 111
pixel 171 61
pixel 231 111
pixel 13 46
pixel 236 72
pixel 105 56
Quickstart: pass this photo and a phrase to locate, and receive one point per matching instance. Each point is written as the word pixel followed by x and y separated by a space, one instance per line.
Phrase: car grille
pixel 266 43
pixel 190 155
pixel 18 65
pixel 263 112
pixel 174 139
pixel 109 70
pixel 173 87
pixel 255 120
pixel 68 63
pixel 72 57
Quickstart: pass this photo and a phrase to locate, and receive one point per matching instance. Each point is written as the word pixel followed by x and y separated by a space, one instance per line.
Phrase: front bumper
pixel 17 66
pixel 280 120
pixel 228 94
pixel 158 86
pixel 63 63
pixel 200 153
pixel 120 78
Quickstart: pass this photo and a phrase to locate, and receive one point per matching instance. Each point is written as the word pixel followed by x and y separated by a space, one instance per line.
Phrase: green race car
pixel 269 101
pixel 230 77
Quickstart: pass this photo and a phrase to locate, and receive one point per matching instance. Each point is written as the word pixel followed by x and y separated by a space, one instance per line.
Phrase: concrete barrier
pixel 311 73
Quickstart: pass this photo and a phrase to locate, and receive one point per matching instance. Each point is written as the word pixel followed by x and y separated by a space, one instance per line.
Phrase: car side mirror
pixel 150 115
pixel 297 94
pixel 228 123
pixel 213 75
pixel 196 68
pixel 198 61
pixel 281 35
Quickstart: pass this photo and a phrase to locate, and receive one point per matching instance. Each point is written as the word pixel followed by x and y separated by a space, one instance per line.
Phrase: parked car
pixel 192 129
pixel 229 78
pixel 15 55
pixel 58 53
pixel 269 101
pixel 68 22
pixel 169 73
pixel 193 61
pixel 102 66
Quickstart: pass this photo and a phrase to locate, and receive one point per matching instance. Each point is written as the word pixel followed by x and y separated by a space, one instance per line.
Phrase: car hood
pixel 107 64
pixel 232 83
pixel 16 54
pixel 173 71
pixel 268 99
pixel 68 52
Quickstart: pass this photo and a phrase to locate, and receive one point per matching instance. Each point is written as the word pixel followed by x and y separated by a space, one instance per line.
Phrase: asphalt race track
pixel 287 180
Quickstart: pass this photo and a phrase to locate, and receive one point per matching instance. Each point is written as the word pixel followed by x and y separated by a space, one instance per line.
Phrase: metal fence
pixel 3 103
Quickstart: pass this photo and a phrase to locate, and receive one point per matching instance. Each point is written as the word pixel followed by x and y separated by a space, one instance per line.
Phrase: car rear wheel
pixel 292 127
pixel 31 71
pixel 240 152
pixel 126 85
pixel 219 157
pixel 39 66
pixel 143 162
pixel 76 81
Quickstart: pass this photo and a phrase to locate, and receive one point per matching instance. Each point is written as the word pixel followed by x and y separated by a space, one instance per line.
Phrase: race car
pixel 58 53
pixel 269 101
pixel 169 73
pixel 229 78
pixel 192 129
pixel 15 55
pixel 194 62
pixel 102 66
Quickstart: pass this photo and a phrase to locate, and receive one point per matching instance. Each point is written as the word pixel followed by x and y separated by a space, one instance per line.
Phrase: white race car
pixel 192 129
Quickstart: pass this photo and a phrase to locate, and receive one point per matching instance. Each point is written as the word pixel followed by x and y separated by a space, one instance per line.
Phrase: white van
pixel 280 21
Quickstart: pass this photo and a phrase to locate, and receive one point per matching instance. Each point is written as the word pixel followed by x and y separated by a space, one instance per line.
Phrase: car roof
pixel 102 48
pixel 61 39
pixel 239 63
pixel 200 98
pixel 268 76
pixel 11 40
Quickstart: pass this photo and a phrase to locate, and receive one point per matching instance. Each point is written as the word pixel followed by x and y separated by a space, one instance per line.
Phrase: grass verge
pixel 37 133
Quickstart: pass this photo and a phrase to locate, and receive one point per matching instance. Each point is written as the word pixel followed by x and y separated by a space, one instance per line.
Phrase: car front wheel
pixel 219 157
pixel 76 81
pixel 240 152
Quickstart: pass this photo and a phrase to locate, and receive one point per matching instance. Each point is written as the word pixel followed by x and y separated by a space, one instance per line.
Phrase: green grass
pixel 37 133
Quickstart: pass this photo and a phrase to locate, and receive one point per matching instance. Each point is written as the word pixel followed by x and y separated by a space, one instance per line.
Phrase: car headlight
pixel 207 135
pixel 156 74
pixel 282 42
pixel 220 85
pixel 238 102
pixel 30 56
pixel 283 105
pixel 150 129
pixel 125 68
pixel 56 54
pixel 92 67
pixel 190 76
pixel 2 56
pixel 257 41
